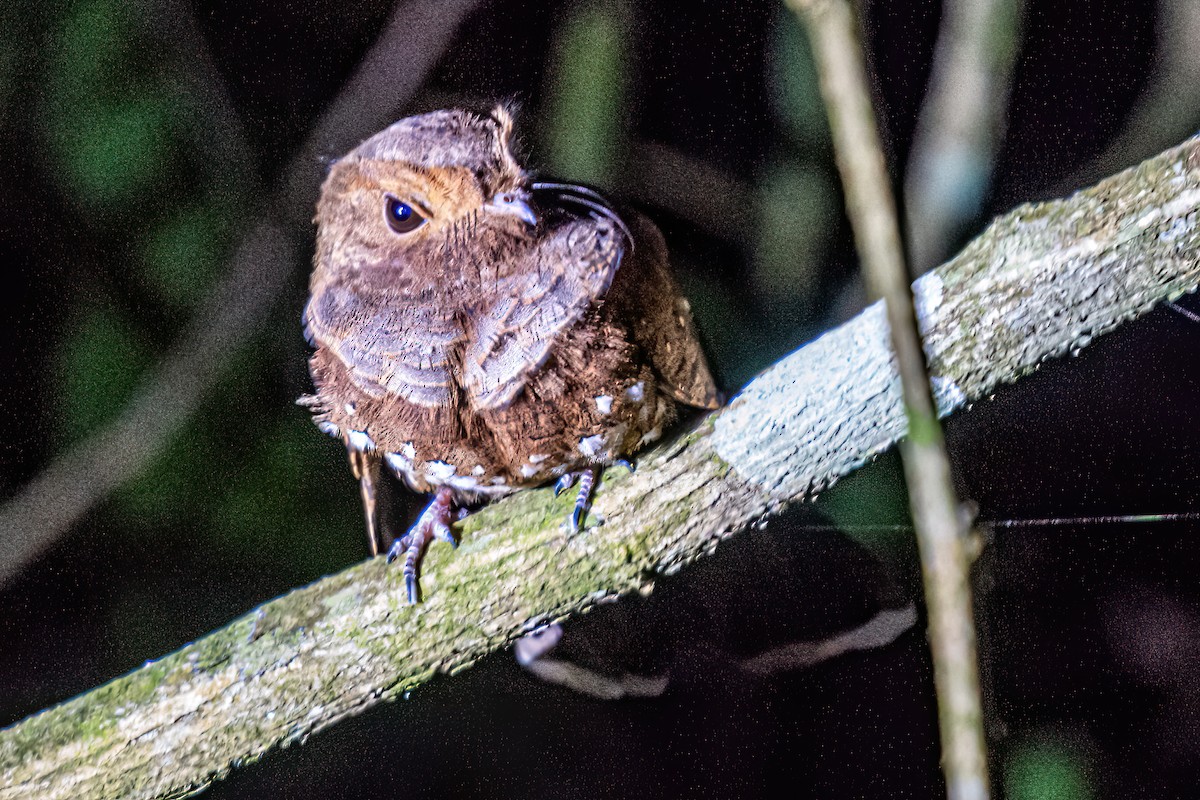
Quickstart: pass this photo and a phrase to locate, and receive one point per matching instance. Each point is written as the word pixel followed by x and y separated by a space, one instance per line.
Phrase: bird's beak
pixel 515 204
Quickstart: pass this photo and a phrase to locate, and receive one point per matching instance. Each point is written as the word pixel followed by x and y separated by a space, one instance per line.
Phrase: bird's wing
pixel 399 346
pixel 662 320
pixel 568 270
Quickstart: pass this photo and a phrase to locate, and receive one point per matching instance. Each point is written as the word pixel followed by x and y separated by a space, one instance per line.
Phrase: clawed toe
pixel 564 483
pixel 583 500
pixel 434 523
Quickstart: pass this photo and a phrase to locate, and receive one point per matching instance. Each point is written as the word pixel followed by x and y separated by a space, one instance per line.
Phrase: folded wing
pixel 394 345
pixel 511 336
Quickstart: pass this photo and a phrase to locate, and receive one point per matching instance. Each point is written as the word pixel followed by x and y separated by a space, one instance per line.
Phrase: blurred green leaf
pixel 585 123
pixel 291 501
pixel 110 121
pixel 93 44
pixel 1045 770
pixel 175 485
pixel 797 94
pixel 721 325
pixel 115 152
pixel 183 254
pixel 869 500
pixel 99 363
pixel 797 209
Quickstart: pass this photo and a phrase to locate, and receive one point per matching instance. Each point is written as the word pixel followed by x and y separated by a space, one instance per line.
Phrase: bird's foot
pixel 434 523
pixel 587 479
pixel 583 499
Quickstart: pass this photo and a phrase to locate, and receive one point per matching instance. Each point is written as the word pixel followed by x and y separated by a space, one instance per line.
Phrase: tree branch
pixel 1040 282
pixel 937 519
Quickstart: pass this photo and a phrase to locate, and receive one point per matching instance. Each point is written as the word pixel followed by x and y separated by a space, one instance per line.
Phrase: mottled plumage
pixel 478 332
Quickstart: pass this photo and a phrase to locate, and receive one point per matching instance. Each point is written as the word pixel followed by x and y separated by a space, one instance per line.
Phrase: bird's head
pixel 424 181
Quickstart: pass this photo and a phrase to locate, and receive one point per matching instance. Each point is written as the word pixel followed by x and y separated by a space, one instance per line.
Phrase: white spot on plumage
pixel 440 471
pixel 400 466
pixel 350 408
pixel 463 483
pixel 591 445
pixel 498 481
pixel 528 470
pixel 408 451
pixel 604 404
pixel 395 460
pixel 636 392
pixel 478 470
pixel 538 458
pixel 328 428
pixel 360 441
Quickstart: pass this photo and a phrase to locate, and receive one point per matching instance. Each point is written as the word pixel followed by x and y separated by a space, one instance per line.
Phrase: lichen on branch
pixel 1040 282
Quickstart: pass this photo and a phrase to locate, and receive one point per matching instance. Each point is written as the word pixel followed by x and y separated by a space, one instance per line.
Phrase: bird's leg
pixel 365 466
pixel 434 523
pixel 583 500
pixel 587 481
pixel 620 462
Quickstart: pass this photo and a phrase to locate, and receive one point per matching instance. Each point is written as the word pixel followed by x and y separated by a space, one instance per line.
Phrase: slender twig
pixel 936 516
pixel 1041 282
pixel 414 38
pixel 959 126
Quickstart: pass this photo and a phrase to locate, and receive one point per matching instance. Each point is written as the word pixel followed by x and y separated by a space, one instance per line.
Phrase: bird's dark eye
pixel 400 216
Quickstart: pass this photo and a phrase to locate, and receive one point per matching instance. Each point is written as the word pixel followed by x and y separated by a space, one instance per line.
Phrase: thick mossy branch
pixel 1038 283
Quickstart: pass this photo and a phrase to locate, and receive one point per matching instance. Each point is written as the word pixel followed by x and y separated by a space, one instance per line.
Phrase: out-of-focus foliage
pixel 182 254
pixel 250 499
pixel 1045 770
pixel 585 95
pixel 795 94
pixel 109 126
pixel 126 169
pixel 872 507
pixel 100 363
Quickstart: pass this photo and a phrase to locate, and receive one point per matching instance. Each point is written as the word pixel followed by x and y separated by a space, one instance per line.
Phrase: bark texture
pixel 1041 282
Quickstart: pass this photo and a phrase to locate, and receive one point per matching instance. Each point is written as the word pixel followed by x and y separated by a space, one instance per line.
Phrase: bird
pixel 476 331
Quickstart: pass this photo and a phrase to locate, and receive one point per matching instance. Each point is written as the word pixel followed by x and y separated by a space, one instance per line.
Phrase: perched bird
pixel 478 332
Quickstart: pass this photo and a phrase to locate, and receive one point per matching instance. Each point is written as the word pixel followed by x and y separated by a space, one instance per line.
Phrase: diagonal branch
pixel 413 40
pixel 1040 282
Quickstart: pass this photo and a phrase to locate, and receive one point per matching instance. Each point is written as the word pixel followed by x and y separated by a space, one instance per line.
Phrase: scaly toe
pixel 564 483
pixel 434 523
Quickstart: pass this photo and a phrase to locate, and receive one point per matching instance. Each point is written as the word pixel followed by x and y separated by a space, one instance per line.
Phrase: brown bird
pixel 478 332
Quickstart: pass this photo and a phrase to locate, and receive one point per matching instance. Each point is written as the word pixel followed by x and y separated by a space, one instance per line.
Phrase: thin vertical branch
pixel 944 561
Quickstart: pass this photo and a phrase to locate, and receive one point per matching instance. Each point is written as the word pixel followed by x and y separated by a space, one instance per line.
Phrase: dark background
pixel 116 221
